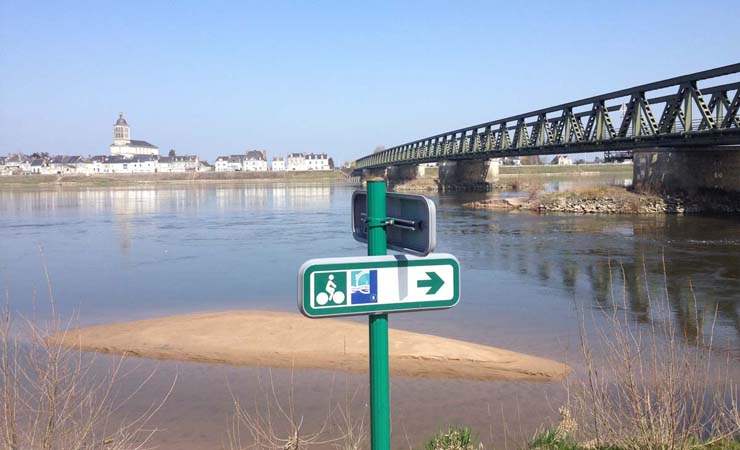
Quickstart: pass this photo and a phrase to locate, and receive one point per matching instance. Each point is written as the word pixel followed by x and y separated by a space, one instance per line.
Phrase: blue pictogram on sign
pixel 364 286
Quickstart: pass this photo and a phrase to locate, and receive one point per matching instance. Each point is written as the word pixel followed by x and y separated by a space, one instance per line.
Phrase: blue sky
pixel 215 78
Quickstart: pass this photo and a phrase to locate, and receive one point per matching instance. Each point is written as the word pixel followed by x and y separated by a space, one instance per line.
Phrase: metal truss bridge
pixel 700 109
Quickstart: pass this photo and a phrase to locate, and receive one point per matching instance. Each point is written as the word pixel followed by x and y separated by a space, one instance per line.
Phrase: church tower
pixel 121 133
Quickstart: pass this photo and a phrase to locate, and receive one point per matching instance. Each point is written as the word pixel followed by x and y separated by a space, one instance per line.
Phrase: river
pixel 116 254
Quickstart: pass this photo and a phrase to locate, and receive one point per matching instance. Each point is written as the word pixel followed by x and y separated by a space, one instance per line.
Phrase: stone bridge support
pixel 397 175
pixel 687 171
pixel 373 173
pixel 468 175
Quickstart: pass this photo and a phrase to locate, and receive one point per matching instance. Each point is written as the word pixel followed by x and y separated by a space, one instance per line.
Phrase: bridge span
pixel 685 123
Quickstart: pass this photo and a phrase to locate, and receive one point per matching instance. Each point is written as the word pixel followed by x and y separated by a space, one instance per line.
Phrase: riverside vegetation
pixel 645 388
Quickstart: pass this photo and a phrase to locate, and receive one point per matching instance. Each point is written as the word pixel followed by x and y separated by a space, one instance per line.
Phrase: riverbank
pixel 613 200
pixel 287 340
pixel 573 169
pixel 515 178
pixel 117 180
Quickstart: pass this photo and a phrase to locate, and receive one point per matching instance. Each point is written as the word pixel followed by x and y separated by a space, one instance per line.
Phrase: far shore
pixel 604 199
pixel 113 180
pixel 289 340
pixel 586 169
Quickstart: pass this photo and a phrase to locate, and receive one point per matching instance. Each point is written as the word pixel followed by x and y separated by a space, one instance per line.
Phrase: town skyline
pixel 123 144
pixel 127 155
pixel 338 78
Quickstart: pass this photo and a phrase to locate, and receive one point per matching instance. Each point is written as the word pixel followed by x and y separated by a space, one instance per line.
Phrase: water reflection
pixel 235 245
pixel 123 254
pixel 617 261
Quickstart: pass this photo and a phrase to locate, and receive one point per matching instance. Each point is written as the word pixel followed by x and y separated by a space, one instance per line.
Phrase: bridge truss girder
pixel 692 117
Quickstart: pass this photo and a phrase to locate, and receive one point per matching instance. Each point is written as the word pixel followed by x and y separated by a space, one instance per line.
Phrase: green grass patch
pixel 455 438
pixel 463 438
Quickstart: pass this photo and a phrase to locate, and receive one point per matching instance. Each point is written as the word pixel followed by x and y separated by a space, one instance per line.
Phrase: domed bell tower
pixel 121 134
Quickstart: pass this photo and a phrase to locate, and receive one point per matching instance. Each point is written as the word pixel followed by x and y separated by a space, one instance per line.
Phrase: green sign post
pixel 378 284
pixel 380 417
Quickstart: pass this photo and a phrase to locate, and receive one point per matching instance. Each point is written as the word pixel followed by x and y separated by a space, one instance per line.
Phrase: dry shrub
pixel 54 398
pixel 272 422
pixel 650 390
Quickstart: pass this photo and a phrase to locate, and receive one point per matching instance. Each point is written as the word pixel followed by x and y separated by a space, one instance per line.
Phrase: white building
pixel 15 164
pixel 317 161
pixel 561 160
pixel 117 164
pixel 93 165
pixel 178 164
pixel 59 165
pixel 123 145
pixel 136 164
pixel 278 164
pixel 308 161
pixel 296 162
pixel 232 163
pixel 251 161
pixel 255 161
pixel 39 166
pixel 203 166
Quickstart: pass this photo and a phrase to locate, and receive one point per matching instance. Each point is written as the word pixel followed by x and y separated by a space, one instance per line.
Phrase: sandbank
pixel 287 340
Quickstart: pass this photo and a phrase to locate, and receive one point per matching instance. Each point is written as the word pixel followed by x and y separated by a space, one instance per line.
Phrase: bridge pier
pixel 397 175
pixel 468 175
pixel 373 173
pixel 687 171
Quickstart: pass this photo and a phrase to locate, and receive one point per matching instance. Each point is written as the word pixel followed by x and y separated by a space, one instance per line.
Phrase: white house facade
pixel 136 164
pixel 251 161
pixel 278 164
pixel 178 164
pixel 562 160
pixel 317 161
pixel 296 162
pixel 255 161
pixel 308 161
pixel 232 163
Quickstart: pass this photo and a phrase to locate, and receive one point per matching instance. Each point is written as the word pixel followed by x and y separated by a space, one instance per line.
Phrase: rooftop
pixel 121 120
pixel 255 155
pixel 178 158
pixel 135 143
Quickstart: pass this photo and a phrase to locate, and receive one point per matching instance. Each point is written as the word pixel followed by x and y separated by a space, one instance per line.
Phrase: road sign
pixel 412 222
pixel 377 284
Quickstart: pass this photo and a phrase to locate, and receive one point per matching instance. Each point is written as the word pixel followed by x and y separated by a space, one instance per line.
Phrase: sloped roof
pixel 135 143
pixel 178 158
pixel 133 159
pixel 65 159
pixel 316 156
pixel 255 155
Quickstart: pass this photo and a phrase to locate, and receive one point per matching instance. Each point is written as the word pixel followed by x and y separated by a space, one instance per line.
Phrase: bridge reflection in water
pixel 611 262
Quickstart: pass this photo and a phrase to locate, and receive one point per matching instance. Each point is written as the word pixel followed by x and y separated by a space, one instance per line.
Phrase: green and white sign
pixel 377 284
